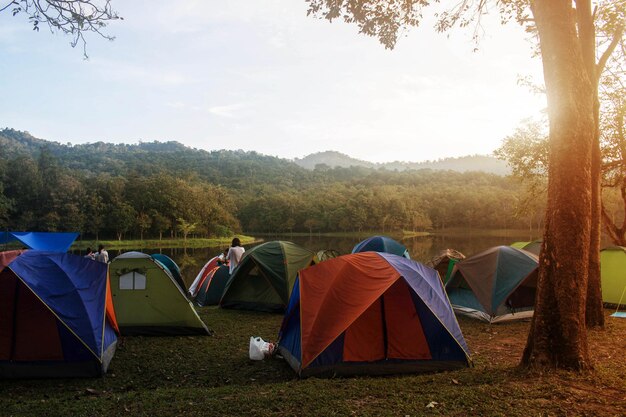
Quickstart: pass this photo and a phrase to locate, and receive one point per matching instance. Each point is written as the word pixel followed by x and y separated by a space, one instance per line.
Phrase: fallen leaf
pixel 455 381
pixel 432 404
pixel 91 391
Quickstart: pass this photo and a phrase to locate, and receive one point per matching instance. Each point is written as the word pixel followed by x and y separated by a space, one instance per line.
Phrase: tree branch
pixel 617 36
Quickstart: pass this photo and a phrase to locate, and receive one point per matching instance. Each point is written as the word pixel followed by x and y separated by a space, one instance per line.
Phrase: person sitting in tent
pixel 235 253
pixel 222 259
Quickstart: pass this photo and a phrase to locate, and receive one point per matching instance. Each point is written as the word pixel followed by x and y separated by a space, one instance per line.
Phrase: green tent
pixel 613 273
pixel 495 285
pixel 264 278
pixel 148 300
pixel 533 247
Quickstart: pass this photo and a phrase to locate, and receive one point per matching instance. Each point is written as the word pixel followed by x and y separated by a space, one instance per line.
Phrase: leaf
pixel 432 404
pixel 455 381
pixel 91 391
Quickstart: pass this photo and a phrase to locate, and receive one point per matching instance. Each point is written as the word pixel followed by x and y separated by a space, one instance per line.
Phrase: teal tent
pixel 495 285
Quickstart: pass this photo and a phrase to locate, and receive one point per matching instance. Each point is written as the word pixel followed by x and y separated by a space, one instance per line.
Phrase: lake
pixel 421 248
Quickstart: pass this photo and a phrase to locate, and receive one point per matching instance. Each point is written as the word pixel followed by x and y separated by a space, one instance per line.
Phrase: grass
pixel 201 376
pixel 164 243
pixel 356 235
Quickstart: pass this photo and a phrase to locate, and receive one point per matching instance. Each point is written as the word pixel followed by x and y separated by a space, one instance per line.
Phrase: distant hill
pixel 334 159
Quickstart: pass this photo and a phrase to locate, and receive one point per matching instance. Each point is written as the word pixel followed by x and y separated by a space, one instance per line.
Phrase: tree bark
pixel 558 334
pixel 594 314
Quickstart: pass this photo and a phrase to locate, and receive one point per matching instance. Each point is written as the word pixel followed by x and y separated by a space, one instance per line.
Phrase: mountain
pixel 334 159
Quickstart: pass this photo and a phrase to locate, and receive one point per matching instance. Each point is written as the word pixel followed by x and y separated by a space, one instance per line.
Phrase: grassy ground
pixel 212 376
pixel 164 243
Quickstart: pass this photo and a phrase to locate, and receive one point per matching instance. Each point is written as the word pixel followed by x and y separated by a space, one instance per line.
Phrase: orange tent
pixel 370 313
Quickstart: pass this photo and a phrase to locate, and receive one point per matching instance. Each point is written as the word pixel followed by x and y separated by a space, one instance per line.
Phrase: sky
pixel 260 75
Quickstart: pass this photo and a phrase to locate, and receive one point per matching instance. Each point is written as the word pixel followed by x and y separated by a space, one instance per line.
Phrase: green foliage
pixel 135 191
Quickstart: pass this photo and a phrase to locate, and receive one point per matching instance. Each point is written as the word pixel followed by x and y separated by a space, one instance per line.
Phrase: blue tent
pixel 171 266
pixel 495 285
pixel 381 244
pixel 56 242
pixel 54 320
pixel 370 313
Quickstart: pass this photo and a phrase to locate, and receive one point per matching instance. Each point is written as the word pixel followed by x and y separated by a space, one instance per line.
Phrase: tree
pixel 185 227
pixel 143 223
pixel 74 18
pixel 558 333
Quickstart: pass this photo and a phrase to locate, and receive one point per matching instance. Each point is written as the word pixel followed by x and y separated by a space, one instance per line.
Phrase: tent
pixel 533 247
pixel 381 244
pixel 495 285
pixel 55 242
pixel 56 317
pixel 613 275
pixel 171 266
pixel 326 254
pixel 206 269
pixel 444 262
pixel 370 313
pixel 211 288
pixel 148 300
pixel 264 278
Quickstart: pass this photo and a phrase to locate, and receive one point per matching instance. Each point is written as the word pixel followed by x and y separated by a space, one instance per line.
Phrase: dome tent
pixel 613 274
pixel 211 288
pixel 56 317
pixel 264 278
pixel 370 313
pixel 381 244
pixel 148 300
pixel 495 285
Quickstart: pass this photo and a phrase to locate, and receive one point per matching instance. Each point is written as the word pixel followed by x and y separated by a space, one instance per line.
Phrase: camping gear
pixel 211 288
pixel 444 262
pixel 148 300
pixel 54 242
pixel 370 313
pixel 533 247
pixel 613 275
pixel 208 267
pixel 381 244
pixel 496 285
pixel 260 349
pixel 264 278
pixel 56 317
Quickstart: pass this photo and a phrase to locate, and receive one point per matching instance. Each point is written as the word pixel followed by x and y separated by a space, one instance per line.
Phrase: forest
pixel 157 189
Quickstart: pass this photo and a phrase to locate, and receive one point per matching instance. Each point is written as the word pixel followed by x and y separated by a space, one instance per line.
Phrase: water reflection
pixel 421 248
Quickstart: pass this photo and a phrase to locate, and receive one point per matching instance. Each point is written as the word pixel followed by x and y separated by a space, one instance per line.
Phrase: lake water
pixel 421 248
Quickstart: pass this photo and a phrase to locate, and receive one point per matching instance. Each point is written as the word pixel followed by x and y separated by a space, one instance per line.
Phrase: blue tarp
pixel 55 242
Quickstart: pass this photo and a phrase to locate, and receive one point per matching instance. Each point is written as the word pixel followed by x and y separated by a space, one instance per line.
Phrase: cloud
pixel 228 111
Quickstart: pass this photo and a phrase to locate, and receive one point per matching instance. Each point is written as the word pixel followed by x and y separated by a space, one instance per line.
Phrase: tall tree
pixel 558 333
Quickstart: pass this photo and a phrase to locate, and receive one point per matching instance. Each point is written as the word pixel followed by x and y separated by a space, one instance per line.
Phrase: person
pixel 235 253
pixel 222 259
pixel 90 254
pixel 102 255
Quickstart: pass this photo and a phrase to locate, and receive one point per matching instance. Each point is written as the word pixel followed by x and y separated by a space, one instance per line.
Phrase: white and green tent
pixel 148 300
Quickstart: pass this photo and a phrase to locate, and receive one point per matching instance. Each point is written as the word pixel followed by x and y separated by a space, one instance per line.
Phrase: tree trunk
pixel 558 335
pixel 587 38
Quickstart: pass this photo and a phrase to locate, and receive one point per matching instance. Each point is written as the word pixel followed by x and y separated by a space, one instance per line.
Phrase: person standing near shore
pixel 235 253
pixel 102 255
